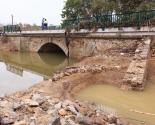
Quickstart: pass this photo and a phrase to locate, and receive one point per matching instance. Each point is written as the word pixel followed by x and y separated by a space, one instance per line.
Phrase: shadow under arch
pixel 51 48
pixel 43 64
pixel 57 59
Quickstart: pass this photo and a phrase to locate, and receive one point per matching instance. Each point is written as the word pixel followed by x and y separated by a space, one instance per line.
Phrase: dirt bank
pixel 109 70
pixel 47 103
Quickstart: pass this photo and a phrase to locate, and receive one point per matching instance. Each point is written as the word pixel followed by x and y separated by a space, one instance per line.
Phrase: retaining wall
pixel 135 77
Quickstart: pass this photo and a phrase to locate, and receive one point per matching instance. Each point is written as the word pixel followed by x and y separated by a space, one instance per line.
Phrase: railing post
pixel 139 20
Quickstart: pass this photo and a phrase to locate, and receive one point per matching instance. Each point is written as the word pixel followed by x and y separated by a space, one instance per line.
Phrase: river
pixel 19 71
pixel 126 101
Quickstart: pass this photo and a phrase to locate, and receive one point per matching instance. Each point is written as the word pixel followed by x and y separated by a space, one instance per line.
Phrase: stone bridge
pixel 43 44
pixel 81 44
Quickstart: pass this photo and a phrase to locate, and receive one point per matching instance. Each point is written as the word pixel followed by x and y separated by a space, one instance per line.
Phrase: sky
pixel 31 11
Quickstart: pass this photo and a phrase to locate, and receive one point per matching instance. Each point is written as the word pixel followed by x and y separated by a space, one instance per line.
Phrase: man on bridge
pixel 44 24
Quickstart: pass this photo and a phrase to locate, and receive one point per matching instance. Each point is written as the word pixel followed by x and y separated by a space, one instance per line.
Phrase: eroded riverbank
pixel 41 103
pixel 47 102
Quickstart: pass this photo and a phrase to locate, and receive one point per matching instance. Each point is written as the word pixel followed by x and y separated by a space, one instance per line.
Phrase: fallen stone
pixel 6 121
pixel 62 112
pixel 83 110
pixel 63 121
pixel 66 74
pixel 4 103
pixel 20 123
pixel 71 122
pixel 58 106
pixel 33 123
pixel 99 121
pixel 17 105
pixel 31 103
pixel 72 109
pixel 66 103
pixel 52 111
pixel 30 109
pixel 84 120
pixel 45 106
pixel 38 98
pixel 55 121
pixel 112 119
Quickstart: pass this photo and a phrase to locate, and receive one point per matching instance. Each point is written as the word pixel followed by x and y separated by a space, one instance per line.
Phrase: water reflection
pixel 42 64
pixel 14 69
pixel 22 70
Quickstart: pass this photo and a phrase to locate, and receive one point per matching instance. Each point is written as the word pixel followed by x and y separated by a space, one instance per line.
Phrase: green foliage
pixel 86 9
pixel 147 4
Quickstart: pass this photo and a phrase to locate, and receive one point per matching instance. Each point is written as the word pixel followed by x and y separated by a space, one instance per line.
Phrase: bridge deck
pixel 110 32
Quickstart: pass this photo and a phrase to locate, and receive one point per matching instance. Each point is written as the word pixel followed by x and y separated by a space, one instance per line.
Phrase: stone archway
pixel 53 48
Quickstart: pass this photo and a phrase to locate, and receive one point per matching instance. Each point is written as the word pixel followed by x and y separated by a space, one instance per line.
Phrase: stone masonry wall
pixel 78 47
pixel 136 74
pixel 83 47
pixel 9 43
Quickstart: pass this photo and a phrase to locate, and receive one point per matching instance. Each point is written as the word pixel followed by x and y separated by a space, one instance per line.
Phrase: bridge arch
pixel 54 47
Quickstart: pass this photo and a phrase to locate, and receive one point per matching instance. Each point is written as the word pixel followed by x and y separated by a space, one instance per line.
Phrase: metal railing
pixel 54 27
pixel 11 28
pixel 127 19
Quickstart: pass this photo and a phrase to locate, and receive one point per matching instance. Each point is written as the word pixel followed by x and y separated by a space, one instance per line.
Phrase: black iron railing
pixel 127 19
pixel 11 28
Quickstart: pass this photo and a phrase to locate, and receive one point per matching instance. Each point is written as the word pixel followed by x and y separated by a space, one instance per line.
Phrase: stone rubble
pixel 83 69
pixel 135 76
pixel 30 111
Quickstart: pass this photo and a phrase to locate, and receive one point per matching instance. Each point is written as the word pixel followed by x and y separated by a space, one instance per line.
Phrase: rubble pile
pixel 39 109
pixel 83 69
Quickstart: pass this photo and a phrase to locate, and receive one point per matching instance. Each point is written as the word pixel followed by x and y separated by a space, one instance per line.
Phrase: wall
pixel 135 77
pixel 79 47
pixel 9 43
pixel 82 47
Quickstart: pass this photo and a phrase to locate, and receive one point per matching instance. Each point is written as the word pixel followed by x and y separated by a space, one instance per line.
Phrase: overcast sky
pixel 31 11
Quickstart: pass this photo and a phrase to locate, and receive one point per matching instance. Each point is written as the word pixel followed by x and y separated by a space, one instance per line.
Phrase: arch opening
pixel 51 48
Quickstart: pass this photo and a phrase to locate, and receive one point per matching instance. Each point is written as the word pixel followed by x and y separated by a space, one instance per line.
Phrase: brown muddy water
pixel 126 101
pixel 19 71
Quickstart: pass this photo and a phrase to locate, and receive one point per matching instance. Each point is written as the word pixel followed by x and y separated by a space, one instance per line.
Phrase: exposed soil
pixel 91 70
pixel 69 86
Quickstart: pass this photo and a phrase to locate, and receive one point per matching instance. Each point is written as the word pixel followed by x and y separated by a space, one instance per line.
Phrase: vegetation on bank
pixel 86 9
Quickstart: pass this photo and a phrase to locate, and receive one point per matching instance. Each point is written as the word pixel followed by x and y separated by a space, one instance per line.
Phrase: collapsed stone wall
pixel 83 69
pixel 135 76
pixel 83 47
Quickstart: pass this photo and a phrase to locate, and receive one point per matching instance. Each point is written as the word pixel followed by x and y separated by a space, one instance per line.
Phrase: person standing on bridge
pixel 44 24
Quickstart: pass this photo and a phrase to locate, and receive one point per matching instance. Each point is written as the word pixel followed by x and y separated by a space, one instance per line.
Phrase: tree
pixel 75 9
pixel 134 5
pixel 146 5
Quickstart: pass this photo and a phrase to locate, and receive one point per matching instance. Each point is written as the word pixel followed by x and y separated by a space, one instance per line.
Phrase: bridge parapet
pixel 108 32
